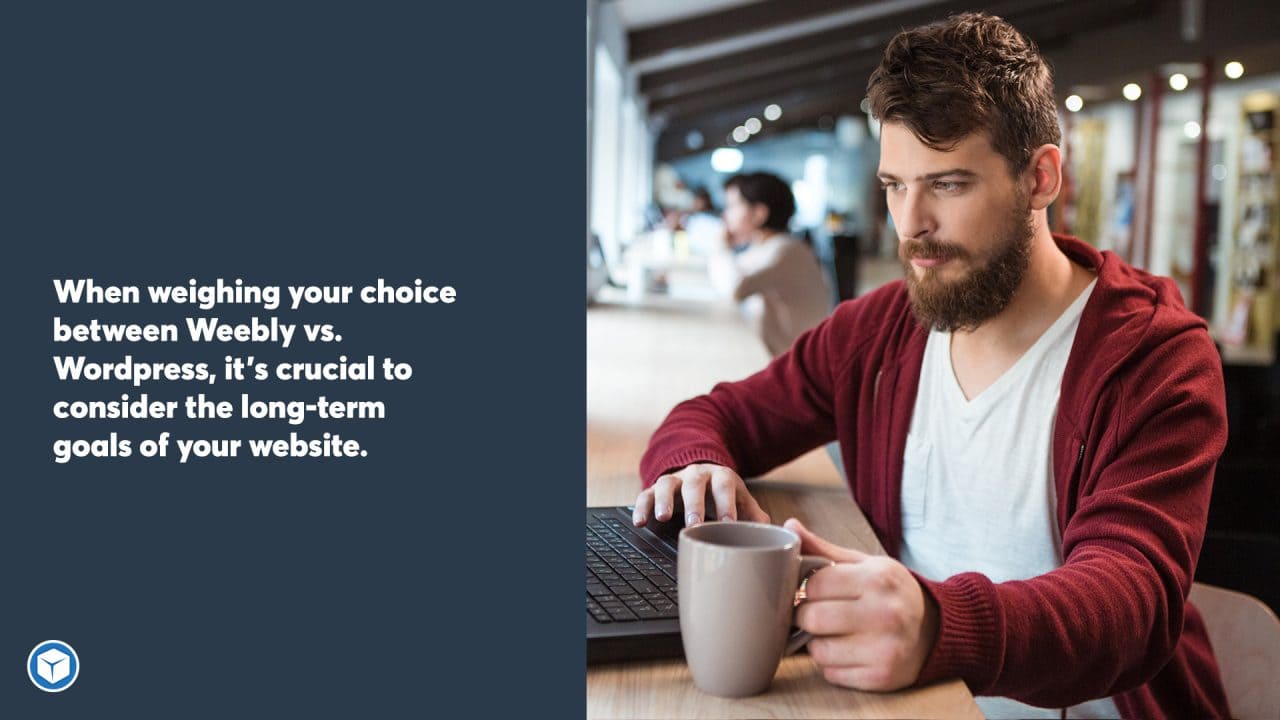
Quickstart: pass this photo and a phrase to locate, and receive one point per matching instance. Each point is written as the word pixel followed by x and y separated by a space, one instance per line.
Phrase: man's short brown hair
pixel 969 73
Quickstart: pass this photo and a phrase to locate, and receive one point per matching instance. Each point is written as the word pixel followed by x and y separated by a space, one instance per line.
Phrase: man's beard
pixel 981 294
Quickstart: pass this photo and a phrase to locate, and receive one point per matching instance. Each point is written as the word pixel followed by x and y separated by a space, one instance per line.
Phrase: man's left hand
pixel 873 626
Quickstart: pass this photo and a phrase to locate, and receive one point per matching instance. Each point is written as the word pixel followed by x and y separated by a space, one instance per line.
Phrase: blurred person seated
pixel 777 277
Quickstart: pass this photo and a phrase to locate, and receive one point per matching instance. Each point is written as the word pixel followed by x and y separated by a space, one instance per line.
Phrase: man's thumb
pixel 812 544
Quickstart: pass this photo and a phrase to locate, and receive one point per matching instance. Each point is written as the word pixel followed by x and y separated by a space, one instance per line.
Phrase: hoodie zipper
pixel 1073 486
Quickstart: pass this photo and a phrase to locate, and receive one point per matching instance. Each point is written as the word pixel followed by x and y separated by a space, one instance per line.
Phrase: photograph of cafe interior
pixel 1169 112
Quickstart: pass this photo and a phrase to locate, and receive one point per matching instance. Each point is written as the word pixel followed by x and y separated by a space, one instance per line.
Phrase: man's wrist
pixel 929 625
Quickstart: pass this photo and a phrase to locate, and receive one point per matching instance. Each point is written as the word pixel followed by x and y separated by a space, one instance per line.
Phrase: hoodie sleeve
pixel 1111 616
pixel 769 418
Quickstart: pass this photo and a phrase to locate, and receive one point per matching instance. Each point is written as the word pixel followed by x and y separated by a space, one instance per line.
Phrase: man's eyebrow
pixel 953 172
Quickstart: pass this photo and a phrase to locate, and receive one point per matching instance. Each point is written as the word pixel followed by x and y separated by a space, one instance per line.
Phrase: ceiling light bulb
pixel 772 112
pixel 1234 70
pixel 1178 82
pixel 1074 103
pixel 1132 91
pixel 726 160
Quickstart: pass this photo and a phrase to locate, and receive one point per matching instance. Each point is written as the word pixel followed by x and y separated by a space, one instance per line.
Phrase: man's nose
pixel 915 216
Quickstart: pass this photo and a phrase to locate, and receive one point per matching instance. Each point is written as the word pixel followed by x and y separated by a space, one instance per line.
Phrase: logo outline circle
pixel 39 683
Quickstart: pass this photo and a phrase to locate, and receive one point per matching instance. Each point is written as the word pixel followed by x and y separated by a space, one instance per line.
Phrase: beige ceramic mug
pixel 738 583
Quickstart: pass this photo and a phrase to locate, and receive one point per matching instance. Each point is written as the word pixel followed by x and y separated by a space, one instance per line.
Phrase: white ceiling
pixel 640 14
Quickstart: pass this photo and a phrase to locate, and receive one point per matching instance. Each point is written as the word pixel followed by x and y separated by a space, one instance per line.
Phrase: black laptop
pixel 632 606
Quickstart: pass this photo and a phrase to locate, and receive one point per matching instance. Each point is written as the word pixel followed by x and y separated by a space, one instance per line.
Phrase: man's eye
pixel 890 185
pixel 948 186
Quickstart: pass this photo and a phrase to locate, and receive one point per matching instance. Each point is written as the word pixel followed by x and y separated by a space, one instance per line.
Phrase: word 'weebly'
pixel 209 330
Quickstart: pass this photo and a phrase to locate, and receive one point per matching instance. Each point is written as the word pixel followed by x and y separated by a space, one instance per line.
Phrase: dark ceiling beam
pixel 741 20
pixel 764 88
pixel 802 107
pixel 834 44
pixel 671 143
pixel 721 121
pixel 835 41
pixel 715 114
pixel 822 68
pixel 1087 42
pixel 1138 48
pixel 709 98
pixel 760 61
pixel 1057 26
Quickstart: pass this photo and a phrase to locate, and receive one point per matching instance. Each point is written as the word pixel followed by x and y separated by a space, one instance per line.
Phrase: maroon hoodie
pixel 1140 424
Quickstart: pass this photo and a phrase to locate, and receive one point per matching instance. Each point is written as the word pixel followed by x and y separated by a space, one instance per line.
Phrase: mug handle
pixel 809 564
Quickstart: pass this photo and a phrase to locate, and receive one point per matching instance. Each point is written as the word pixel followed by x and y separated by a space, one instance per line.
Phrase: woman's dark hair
pixel 701 193
pixel 769 189
pixel 969 73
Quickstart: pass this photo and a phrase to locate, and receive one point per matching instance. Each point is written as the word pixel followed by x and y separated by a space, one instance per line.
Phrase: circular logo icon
pixel 53 666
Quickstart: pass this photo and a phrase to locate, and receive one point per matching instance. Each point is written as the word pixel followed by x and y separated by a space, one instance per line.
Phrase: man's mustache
pixel 930 250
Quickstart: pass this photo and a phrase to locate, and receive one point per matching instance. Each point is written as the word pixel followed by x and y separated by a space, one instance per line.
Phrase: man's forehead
pixel 901 152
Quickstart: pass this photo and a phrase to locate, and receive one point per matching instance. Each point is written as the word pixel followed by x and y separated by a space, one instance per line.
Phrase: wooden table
pixel 642 358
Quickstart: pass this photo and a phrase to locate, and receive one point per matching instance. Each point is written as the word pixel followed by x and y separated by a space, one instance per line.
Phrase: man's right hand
pixel 694 483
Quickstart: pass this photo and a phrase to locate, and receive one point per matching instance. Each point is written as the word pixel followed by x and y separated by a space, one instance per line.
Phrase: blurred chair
pixel 1246 641
pixel 846 260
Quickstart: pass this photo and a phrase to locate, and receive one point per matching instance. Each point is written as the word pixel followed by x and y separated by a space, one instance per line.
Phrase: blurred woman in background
pixel 777 277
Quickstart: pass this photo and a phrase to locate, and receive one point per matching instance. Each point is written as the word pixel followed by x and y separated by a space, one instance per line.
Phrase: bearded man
pixel 1030 426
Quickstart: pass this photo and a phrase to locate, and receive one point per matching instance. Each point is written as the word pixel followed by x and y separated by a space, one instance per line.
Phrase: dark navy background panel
pixel 303 143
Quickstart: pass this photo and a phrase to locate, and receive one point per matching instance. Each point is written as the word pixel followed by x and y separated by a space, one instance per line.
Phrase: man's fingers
pixel 812 544
pixel 644 507
pixel 698 486
pixel 723 491
pixel 842 581
pixel 693 490
pixel 861 662
pixel 845 651
pixel 826 617
pixel 663 492
pixel 839 617
pixel 861 677
pixel 748 508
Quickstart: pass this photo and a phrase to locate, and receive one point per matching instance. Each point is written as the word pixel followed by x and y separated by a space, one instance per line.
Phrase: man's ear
pixel 1043 176
pixel 759 214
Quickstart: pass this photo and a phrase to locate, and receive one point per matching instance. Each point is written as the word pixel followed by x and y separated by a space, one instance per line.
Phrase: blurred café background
pixel 1169 112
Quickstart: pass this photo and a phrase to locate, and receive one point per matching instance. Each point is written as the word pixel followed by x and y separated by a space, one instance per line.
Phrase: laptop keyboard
pixel 627 578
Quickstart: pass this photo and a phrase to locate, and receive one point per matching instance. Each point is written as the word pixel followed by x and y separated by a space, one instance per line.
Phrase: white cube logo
pixel 53 665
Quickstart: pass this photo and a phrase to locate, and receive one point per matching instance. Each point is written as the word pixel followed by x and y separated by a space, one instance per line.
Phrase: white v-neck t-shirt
pixel 978 490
